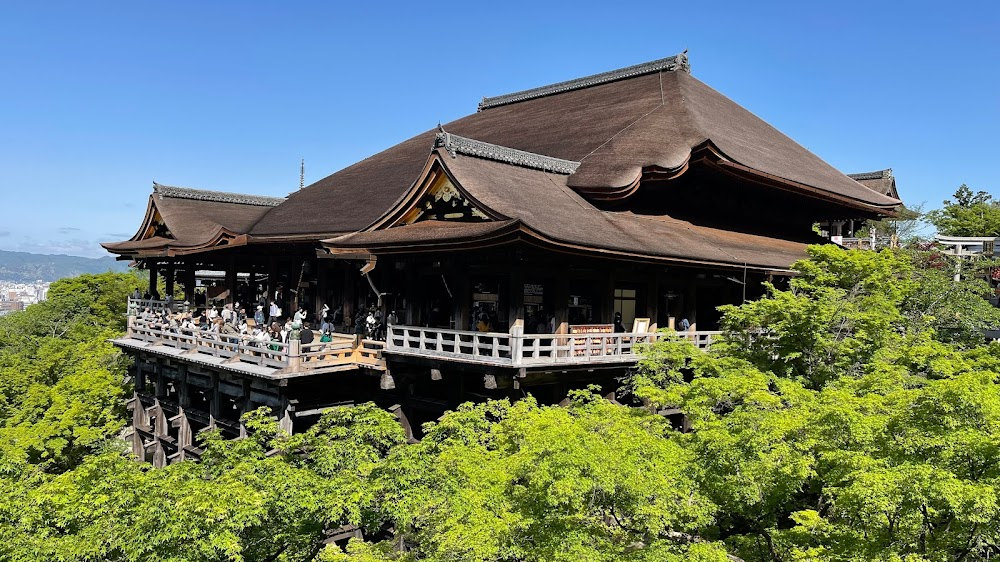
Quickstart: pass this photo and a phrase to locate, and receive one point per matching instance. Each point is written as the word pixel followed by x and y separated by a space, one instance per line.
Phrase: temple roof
pixel 456 144
pixel 676 62
pixel 183 220
pixel 216 196
pixel 616 125
pixel 540 207
pixel 881 181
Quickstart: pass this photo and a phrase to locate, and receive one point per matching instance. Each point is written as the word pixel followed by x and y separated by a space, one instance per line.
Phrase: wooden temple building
pixel 499 249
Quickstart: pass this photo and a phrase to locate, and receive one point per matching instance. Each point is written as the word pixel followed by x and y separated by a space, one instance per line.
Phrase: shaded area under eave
pixel 616 130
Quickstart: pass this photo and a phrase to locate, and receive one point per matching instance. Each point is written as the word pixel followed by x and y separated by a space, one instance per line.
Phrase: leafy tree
pixel 905 226
pixel 970 214
pixel 495 481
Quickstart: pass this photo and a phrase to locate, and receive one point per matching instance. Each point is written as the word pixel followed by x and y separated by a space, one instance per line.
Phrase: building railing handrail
pixel 517 349
pixel 288 357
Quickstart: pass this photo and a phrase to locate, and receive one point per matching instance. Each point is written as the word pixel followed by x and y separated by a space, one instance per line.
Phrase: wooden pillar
pixel 231 280
pixel 350 278
pixel 515 310
pixel 653 302
pixel 272 286
pixel 561 303
pixel 151 264
pixel 608 300
pixel 322 273
pixel 286 422
pixel 139 420
pixel 691 304
pixel 244 405
pixel 410 316
pixel 214 407
pixel 189 282
pixel 463 303
pixel 252 290
pixel 168 278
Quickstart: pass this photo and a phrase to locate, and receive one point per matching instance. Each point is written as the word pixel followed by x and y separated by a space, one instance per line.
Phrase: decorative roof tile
pixel 887 173
pixel 676 62
pixel 216 196
pixel 471 147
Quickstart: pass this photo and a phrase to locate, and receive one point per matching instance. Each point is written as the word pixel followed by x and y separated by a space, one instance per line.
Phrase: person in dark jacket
pixel 306 335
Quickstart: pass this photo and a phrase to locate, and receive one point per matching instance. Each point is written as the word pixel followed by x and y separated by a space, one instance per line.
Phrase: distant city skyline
pixel 107 98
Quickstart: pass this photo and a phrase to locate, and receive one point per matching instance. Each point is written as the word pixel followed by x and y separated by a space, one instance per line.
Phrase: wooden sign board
pixel 583 329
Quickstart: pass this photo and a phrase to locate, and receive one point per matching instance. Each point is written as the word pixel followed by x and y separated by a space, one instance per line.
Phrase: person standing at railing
pixel 306 335
pixel 273 312
pixel 619 327
pixel 324 319
pixel 684 325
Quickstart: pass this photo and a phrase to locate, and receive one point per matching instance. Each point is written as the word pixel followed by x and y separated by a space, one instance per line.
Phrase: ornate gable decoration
pixel 444 202
pixel 455 144
pixel 156 228
pixel 215 196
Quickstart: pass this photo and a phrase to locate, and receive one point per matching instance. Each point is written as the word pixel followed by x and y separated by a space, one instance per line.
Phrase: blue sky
pixel 100 99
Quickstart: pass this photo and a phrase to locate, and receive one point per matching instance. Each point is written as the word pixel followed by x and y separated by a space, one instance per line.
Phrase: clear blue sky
pixel 99 99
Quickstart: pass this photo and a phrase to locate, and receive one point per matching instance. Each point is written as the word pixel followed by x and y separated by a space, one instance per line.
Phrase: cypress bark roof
pixel 881 181
pixel 181 219
pixel 615 129
pixel 541 206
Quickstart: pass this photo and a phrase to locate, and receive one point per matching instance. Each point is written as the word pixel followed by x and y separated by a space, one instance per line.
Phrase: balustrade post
pixel 516 344
pixel 294 351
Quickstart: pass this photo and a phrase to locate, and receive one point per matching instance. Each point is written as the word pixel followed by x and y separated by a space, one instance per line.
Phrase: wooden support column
pixel 322 273
pixel 404 421
pixel 231 280
pixel 168 278
pixel 653 302
pixel 189 282
pixel 691 304
pixel 286 422
pixel 515 292
pixel 252 291
pixel 215 408
pixel 608 299
pixel 139 421
pixel 463 303
pixel 244 405
pixel 160 382
pixel 561 303
pixel 350 278
pixel 151 264
pixel 272 286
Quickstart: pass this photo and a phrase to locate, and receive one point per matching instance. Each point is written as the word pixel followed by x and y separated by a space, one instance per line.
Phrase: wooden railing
pixel 289 358
pixel 137 306
pixel 525 350
pixel 230 347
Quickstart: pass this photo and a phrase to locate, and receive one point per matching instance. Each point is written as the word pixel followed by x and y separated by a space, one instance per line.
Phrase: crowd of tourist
pixel 232 324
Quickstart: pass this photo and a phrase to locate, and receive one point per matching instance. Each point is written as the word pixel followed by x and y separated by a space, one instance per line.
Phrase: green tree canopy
pixel 969 214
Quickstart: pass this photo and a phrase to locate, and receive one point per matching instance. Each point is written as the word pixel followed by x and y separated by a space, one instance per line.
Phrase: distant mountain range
pixel 22 267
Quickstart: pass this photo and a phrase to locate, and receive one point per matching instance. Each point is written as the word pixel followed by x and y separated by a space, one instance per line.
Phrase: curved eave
pixel 516 232
pixel 222 239
pixel 708 153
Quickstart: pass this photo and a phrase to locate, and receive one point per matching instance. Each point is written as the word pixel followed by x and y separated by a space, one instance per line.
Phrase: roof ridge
pixel 471 147
pixel 878 174
pixel 215 196
pixel 676 62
